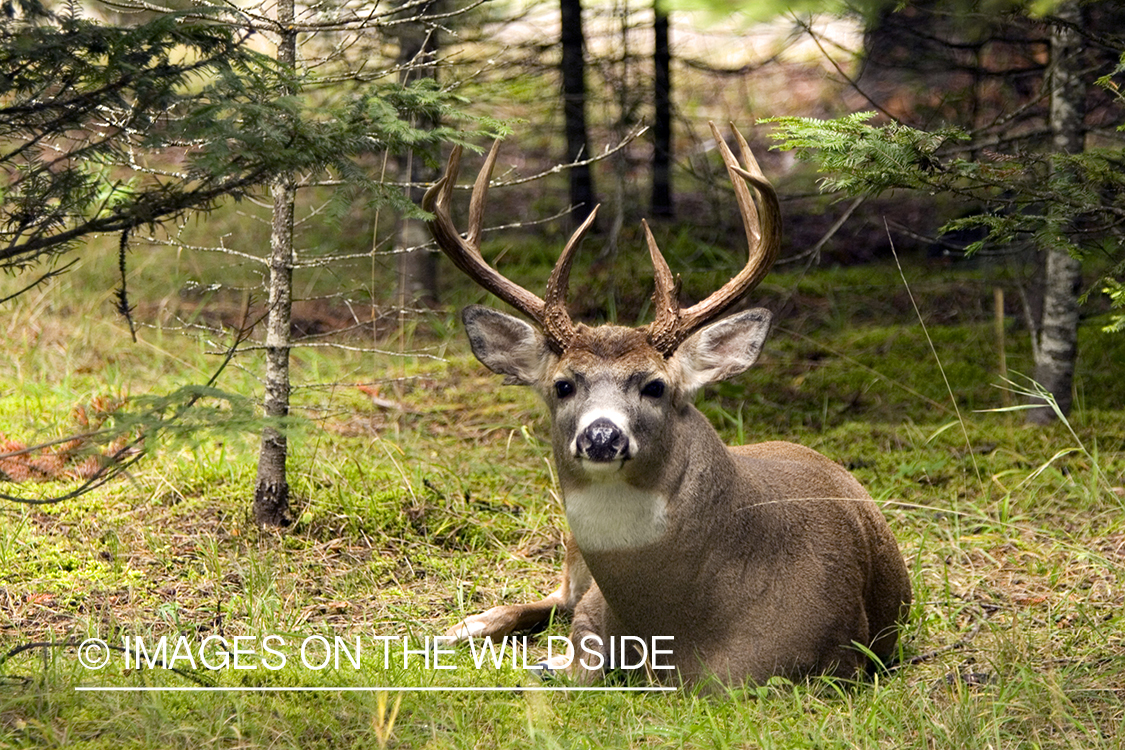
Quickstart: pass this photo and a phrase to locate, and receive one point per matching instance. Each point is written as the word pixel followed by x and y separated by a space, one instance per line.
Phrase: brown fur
pixel 768 559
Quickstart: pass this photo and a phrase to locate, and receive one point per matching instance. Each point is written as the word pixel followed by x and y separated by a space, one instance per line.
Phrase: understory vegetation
pixel 423 491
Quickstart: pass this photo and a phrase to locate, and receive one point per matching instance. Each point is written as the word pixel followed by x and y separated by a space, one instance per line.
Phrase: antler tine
pixel 762 222
pixel 665 298
pixel 556 320
pixel 465 251
pixel 763 233
pixel 436 198
pixel 480 192
pixel 755 172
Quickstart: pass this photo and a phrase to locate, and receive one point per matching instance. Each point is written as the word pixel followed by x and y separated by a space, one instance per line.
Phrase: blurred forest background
pixel 292 143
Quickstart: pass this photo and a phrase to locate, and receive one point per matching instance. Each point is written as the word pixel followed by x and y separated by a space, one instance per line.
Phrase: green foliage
pixel 1116 291
pixel 758 11
pixel 408 519
pixel 108 129
pixel 1107 82
pixel 752 11
pixel 78 98
pixel 1072 202
pixel 860 159
pixel 1053 200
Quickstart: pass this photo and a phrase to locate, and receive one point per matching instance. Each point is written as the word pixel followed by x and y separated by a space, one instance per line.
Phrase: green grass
pixel 410 517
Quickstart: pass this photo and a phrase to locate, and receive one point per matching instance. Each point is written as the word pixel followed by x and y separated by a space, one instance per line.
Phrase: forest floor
pixel 423 491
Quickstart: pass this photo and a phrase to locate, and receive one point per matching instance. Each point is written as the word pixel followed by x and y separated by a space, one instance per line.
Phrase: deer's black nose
pixel 602 440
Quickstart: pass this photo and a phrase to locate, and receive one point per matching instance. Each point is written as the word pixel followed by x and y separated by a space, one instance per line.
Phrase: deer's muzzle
pixel 601 441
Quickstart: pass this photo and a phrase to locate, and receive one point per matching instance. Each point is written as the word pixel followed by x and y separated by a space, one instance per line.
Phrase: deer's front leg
pixel 509 618
pixel 588 636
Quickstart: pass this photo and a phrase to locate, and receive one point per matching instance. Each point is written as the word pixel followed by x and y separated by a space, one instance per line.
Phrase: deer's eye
pixel 564 388
pixel 654 389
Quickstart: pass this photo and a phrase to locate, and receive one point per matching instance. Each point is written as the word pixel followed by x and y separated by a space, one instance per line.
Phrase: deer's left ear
pixel 722 349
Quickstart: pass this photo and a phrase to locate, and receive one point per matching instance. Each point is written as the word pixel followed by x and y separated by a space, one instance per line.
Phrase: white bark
pixel 271 491
pixel 417 265
pixel 1058 329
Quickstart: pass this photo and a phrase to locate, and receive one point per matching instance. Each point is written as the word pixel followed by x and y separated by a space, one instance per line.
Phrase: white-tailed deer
pixel 740 563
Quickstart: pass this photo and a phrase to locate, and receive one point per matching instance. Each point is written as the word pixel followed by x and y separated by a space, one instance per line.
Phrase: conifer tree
pixel 91 115
pixel 112 129
pixel 1031 164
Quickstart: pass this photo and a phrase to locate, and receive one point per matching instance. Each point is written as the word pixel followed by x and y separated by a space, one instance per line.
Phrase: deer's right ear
pixel 506 345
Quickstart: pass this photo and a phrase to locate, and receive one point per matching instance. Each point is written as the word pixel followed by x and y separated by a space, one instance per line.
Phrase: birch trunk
pixel 1058 328
pixel 271 490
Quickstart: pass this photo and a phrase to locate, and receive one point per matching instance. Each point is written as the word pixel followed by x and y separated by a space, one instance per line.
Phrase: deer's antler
pixel 762 220
pixel 550 313
pixel 673 324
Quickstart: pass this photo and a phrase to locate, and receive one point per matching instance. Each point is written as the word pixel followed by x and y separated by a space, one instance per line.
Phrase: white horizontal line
pixel 344 689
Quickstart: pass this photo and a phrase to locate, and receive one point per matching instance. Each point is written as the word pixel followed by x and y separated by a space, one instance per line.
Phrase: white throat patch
pixel 606 516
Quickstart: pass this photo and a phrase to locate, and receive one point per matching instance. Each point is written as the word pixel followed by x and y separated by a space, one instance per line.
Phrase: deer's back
pixel 824 523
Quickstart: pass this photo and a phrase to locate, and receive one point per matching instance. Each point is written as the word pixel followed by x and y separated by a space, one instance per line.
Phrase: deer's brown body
pixel 747 562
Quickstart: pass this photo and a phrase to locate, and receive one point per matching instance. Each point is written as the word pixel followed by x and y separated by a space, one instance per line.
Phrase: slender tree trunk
pixel 1058 327
pixel 271 491
pixel 582 197
pixel 620 161
pixel 417 268
pixel 662 120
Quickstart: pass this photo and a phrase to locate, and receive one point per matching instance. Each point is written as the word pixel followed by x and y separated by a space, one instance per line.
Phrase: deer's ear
pixel 506 345
pixel 722 349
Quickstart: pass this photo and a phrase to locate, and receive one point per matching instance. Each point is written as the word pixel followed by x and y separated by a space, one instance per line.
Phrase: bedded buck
pixel 745 562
